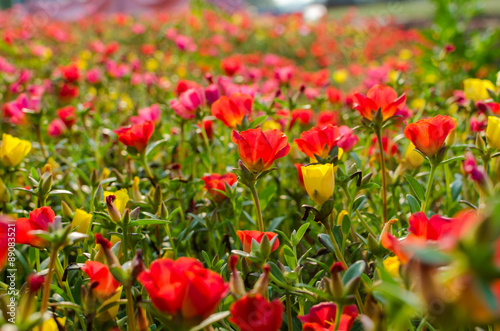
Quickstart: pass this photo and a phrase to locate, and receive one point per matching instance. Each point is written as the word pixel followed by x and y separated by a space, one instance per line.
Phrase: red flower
pixel 100 274
pixel 70 73
pixel 259 149
pixel 253 312
pixel 183 287
pixel 232 110
pixel 298 166
pixel 328 117
pixel 68 91
pixel 304 116
pixel 216 181
pixel 67 115
pixel 39 220
pixel 247 236
pixel 318 141
pixel 429 135
pixel 231 65
pixel 4 239
pixel 383 97
pixel 137 135
pixel 322 317
pixel 334 95
pixel 347 139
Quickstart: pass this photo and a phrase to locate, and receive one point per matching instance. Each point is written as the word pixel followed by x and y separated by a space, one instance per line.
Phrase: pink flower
pixel 94 76
pixel 57 128
pixel 284 74
pixel 347 138
pixel 151 113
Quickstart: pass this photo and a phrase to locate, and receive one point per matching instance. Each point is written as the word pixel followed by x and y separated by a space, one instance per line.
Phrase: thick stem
pixel 289 312
pixel 255 196
pixel 338 315
pixel 48 282
pixel 130 308
pixel 429 188
pixel 382 169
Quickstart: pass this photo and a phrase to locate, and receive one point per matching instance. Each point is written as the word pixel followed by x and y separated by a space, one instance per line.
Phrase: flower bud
pixel 66 210
pixel 235 282
pixel 336 286
pixel 112 210
pixel 480 144
pixel 35 282
pixel 4 193
pixel 263 282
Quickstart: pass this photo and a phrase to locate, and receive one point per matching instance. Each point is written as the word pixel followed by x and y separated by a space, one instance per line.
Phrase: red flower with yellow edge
pixel 183 288
pixel 379 97
pixel 253 312
pixel 99 274
pixel 247 236
pixel 137 135
pixel 429 135
pixel 321 317
pixel 215 182
pixel 231 110
pixel 39 219
pixel 318 141
pixel 258 149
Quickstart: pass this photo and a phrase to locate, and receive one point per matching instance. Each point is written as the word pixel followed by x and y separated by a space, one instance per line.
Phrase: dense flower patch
pixel 215 171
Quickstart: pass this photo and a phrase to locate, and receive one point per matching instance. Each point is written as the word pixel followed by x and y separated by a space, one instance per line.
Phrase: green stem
pixel 289 312
pixel 130 308
pixel 48 282
pixel 172 243
pixel 338 315
pixel 255 196
pixel 429 188
pixel 125 242
pixel 382 169
pixel 145 164
pixel 207 146
pixel 40 140
pixel 363 222
pixel 336 247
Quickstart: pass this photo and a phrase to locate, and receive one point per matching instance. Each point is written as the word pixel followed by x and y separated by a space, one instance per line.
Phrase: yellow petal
pixel 81 219
pixel 122 199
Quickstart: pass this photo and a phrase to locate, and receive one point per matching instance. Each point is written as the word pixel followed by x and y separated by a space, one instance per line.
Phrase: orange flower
pixel 429 135
pixel 100 274
pixel 216 181
pixel 247 236
pixel 318 141
pixel 232 110
pixel 183 288
pixel 258 149
pixel 383 97
pixel 137 135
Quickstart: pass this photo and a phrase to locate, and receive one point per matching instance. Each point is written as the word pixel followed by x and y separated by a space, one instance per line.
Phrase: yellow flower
pixel 430 78
pixel 418 103
pixel 152 65
pixel 493 132
pixel 269 125
pixel 340 75
pixel 319 181
pixel 391 265
pixel 51 325
pixel 477 89
pixel 81 219
pixel 122 199
pixel 498 79
pixel 405 54
pixel 13 150
pixel 113 311
pixel 413 158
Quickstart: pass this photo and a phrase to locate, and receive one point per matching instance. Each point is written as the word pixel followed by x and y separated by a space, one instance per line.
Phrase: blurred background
pixel 411 12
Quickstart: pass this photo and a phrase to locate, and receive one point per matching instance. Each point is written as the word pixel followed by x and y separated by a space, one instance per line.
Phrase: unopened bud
pixel 113 212
pixel 263 282
pixel 235 282
pixel 4 193
pixel 66 210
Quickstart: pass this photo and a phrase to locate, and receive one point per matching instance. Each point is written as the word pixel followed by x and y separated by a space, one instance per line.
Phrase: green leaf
pixel 453 159
pixel 211 320
pixel 290 257
pixel 258 121
pixel 324 239
pixel 276 272
pixel 147 222
pixel 355 270
pixel 266 195
pixel 300 233
pixel 60 192
pixel 346 224
pixel 358 202
pixel 416 187
pixel 154 145
pixel 414 204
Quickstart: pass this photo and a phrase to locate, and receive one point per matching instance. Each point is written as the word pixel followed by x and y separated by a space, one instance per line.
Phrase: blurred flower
pixel 319 181
pixel 303 116
pixel 413 158
pixel 56 128
pixel 137 135
pixel 477 89
pixel 258 149
pixel 39 219
pixel 247 236
pixel 13 150
pixel 81 221
pixel 67 115
pixel 4 239
pixel 429 135
pixel 391 265
pixel 253 312
pixel 322 317
pixel 106 284
pixel 383 97
pixel 215 182
pixel 347 139
pixel 493 132
pixel 183 288
pixel 151 113
pixel 70 73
